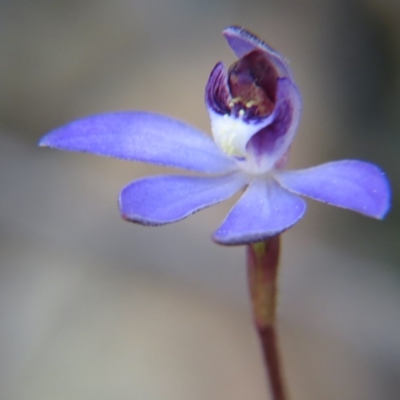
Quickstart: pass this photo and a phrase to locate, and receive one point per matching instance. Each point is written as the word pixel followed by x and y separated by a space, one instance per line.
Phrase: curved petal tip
pixel 355 185
pixel 242 41
pixel 161 200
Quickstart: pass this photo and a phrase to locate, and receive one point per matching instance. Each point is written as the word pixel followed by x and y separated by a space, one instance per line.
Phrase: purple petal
pixel 142 136
pixel 356 185
pixel 264 210
pixel 273 141
pixel 217 94
pixel 164 199
pixel 242 42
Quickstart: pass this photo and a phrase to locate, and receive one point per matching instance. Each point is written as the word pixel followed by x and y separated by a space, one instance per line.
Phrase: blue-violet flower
pixel 254 108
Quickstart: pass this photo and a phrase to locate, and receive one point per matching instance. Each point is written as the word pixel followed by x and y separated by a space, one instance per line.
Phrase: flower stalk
pixel 262 268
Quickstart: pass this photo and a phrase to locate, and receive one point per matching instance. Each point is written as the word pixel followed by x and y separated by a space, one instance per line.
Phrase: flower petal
pixel 264 210
pixel 142 136
pixel 273 141
pixel 242 42
pixel 231 132
pixel 217 94
pixel 163 199
pixel 352 184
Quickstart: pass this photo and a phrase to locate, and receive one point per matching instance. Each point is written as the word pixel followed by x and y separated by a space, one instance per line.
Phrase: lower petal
pixel 351 184
pixel 264 210
pixel 163 199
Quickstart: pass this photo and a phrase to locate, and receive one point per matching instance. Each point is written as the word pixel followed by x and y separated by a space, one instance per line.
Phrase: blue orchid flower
pixel 254 108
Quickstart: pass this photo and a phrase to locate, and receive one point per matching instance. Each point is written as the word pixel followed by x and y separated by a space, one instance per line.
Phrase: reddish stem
pixel 262 263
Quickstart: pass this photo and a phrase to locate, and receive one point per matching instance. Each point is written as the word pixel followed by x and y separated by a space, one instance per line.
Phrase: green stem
pixel 262 264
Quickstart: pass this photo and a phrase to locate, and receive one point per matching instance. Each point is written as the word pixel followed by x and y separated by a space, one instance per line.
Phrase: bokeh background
pixel 92 307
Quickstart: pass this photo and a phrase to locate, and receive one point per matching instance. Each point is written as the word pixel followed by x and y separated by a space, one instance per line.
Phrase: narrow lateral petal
pixel 264 210
pixel 142 136
pixel 241 41
pixel 270 143
pixel 352 184
pixel 217 94
pixel 163 199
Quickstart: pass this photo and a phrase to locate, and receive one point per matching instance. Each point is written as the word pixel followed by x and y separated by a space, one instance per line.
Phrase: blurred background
pixel 92 307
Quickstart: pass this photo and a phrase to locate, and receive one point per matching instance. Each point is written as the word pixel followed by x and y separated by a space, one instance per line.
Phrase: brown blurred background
pixel 92 307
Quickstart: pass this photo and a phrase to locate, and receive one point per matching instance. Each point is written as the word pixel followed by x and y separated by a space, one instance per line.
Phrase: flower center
pixel 252 82
pixel 245 101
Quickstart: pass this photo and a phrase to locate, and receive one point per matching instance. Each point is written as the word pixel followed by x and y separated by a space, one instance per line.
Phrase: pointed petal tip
pixel 50 140
pixel 241 41
pixel 45 141
pixel 238 30
pixel 232 29
pixel 141 136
